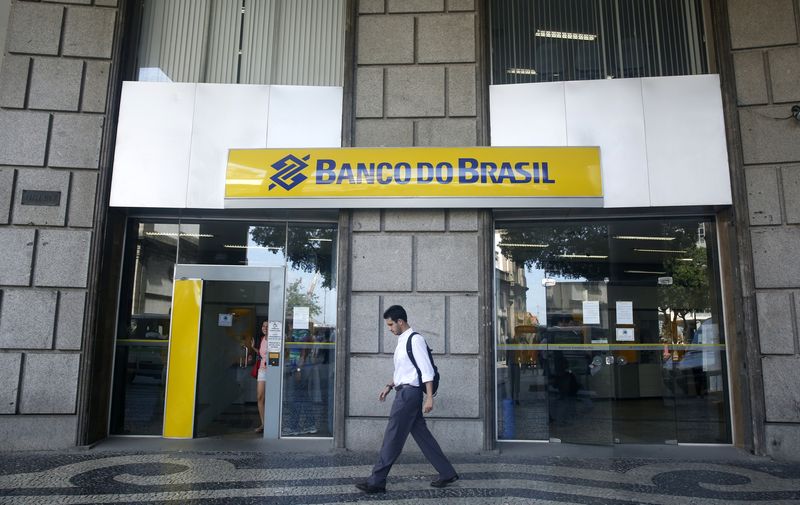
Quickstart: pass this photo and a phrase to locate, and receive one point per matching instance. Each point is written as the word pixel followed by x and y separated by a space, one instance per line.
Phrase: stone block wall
pixel 765 42
pixel 407 258
pixel 54 80
pixel 416 71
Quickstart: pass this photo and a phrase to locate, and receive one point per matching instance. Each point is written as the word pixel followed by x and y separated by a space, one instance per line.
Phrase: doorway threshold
pixel 213 444
pixel 688 452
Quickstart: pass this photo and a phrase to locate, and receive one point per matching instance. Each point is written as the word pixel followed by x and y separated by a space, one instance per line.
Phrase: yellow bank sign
pixel 468 177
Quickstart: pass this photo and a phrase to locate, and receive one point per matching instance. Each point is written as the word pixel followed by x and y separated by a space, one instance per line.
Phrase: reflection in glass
pixel 232 243
pixel 143 338
pixel 309 253
pixel 309 359
pixel 608 333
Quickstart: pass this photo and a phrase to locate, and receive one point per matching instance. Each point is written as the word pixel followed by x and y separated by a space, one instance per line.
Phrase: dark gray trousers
pixel 404 418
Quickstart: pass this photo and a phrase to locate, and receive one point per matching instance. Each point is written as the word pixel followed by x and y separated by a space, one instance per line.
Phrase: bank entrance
pixel 197 298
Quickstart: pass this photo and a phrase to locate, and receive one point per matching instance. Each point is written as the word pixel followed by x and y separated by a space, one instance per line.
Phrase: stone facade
pixel 416 73
pixel 54 80
pixel 406 257
pixel 416 68
pixel 766 58
pixel 417 83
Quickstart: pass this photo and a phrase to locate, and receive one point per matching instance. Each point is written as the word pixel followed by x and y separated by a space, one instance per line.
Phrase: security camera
pixel 796 112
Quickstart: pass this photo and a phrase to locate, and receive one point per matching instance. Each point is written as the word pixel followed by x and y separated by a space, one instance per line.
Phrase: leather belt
pixel 401 386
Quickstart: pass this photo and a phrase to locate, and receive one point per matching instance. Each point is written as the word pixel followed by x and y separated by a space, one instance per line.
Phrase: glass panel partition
pixel 609 332
pixel 310 338
pixel 137 406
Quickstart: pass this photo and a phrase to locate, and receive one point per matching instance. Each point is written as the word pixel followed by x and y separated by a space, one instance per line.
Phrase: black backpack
pixel 414 362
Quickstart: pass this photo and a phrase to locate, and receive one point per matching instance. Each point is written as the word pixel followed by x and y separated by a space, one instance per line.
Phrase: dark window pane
pixel 232 243
pixel 569 40
pixel 143 336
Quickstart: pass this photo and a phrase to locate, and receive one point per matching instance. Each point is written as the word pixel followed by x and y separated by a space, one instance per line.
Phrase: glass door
pixel 220 326
pixel 229 330
pixel 608 331
pixel 577 360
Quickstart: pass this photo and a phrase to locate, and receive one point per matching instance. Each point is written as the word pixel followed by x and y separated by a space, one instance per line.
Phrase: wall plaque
pixel 41 198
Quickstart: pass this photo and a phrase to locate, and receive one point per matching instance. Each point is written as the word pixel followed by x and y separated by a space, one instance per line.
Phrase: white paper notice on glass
pixel 624 312
pixel 274 336
pixel 300 316
pixel 625 335
pixel 591 312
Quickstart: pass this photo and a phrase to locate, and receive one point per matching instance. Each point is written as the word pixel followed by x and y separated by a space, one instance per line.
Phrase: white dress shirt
pixel 404 371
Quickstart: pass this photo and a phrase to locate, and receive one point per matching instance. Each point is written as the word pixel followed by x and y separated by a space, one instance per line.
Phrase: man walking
pixel 406 414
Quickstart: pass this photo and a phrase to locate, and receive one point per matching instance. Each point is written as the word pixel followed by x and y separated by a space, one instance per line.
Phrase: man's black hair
pixel 396 313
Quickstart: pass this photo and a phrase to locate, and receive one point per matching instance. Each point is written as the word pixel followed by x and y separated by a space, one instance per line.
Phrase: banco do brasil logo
pixel 288 172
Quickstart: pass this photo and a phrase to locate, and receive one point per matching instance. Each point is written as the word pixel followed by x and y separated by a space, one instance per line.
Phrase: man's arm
pixel 420 350
pixel 385 391
pixel 428 406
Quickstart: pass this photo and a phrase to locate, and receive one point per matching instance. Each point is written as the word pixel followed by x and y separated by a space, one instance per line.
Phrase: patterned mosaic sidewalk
pixel 247 477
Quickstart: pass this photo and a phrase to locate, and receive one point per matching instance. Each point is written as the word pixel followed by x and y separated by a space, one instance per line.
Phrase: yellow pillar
pixel 182 364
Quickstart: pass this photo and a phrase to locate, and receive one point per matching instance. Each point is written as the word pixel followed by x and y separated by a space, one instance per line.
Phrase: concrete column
pixel 765 50
pixel 54 81
pixel 416 84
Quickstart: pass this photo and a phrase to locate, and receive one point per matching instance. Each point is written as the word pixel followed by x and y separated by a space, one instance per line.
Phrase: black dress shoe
pixel 444 482
pixel 363 486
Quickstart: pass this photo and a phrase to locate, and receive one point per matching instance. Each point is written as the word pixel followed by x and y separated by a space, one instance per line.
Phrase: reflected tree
pixel 296 297
pixel 557 250
pixel 310 249
pixel 689 292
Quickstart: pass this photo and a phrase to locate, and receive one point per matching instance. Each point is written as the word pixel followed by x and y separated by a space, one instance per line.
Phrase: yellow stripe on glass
pixel 182 367
pixel 489 172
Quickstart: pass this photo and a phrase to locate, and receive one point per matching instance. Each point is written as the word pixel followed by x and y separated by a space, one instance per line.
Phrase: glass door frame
pixel 276 277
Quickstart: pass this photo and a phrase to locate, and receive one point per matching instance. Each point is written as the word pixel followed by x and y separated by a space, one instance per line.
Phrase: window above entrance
pixel 242 41
pixel 575 40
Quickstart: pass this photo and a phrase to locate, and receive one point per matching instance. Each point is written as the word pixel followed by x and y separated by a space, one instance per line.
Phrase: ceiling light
pixel 674 251
pixel 174 234
pixel 642 237
pixel 239 246
pixel 584 256
pixel 646 272
pixel 565 35
pixel 521 71
pixel 539 246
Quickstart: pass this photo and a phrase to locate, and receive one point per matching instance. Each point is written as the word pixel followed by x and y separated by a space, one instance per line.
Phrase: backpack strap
pixel 410 353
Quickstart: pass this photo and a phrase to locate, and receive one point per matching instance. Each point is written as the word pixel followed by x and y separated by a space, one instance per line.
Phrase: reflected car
pixel 147 353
